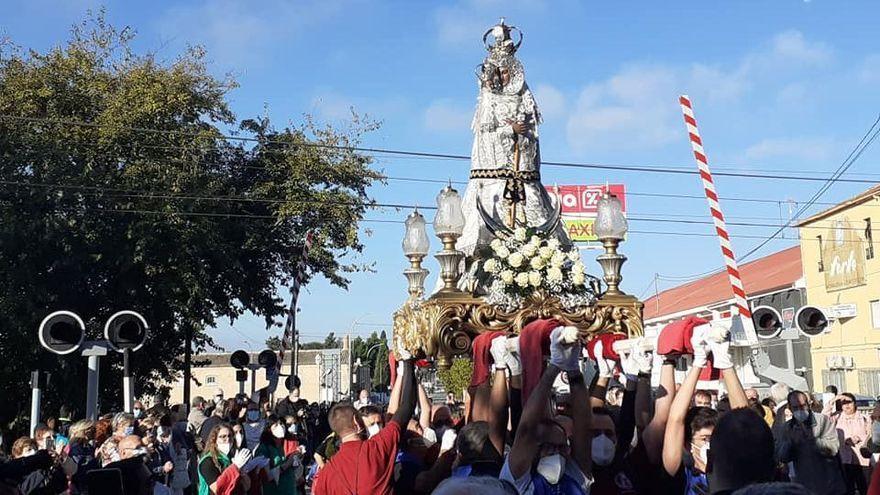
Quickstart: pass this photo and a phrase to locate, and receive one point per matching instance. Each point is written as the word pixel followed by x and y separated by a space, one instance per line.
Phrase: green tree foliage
pixel 373 352
pixel 458 376
pixel 273 343
pixel 148 207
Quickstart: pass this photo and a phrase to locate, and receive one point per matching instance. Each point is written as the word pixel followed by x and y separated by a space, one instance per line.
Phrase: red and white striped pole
pixel 739 293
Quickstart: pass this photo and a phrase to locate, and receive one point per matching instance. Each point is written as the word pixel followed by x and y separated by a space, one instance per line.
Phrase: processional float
pixel 506 258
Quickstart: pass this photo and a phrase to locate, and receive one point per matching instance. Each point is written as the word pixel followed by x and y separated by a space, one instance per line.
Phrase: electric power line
pixel 422 154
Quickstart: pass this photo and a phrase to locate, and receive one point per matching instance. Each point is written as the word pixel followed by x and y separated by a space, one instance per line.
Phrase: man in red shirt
pixel 361 466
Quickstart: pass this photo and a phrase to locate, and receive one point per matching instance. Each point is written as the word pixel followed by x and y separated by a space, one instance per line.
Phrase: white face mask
pixel 373 429
pixel 603 450
pixel 224 448
pixel 278 431
pixel 801 415
pixel 253 415
pixel 551 468
pixel 137 413
pixel 239 439
pixel 293 428
pixel 703 453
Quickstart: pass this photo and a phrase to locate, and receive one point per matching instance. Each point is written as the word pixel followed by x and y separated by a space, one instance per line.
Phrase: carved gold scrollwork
pixel 442 327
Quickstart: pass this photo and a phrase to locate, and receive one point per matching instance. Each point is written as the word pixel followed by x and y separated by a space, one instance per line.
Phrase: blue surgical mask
pixel 129 430
pixel 253 416
pixel 137 413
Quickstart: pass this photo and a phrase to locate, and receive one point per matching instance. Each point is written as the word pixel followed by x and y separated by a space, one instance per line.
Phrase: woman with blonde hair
pixel 82 452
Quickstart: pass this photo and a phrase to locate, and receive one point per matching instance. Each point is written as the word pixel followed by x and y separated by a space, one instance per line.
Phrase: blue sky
pixel 781 85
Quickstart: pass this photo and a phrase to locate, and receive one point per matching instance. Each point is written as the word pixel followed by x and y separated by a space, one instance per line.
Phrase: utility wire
pixel 423 154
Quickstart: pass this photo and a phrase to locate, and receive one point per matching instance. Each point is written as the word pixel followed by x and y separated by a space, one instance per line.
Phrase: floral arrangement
pixel 526 262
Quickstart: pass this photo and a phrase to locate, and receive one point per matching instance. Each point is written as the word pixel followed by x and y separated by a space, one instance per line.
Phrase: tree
pixel 458 376
pixel 121 192
pixel 273 343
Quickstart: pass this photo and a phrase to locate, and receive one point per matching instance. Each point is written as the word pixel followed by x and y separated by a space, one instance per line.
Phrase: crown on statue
pixel 502 44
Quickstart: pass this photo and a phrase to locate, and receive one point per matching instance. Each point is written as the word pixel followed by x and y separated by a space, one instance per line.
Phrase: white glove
pixel 241 457
pixel 605 366
pixel 701 347
pixel 448 440
pixel 719 344
pixel 400 368
pixel 513 363
pixel 563 354
pixel 643 355
pixel 499 352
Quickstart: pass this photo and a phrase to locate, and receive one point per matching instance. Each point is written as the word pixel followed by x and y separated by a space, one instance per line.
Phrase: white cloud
pixel 792 46
pixel 631 109
pixel 801 148
pixel 446 115
pixel 869 72
pixel 551 101
pixel 237 33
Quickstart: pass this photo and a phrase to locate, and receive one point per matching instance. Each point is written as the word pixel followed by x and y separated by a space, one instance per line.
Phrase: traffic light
pixel 239 359
pixel 811 321
pixel 126 330
pixel 61 332
pixel 267 359
pixel 768 322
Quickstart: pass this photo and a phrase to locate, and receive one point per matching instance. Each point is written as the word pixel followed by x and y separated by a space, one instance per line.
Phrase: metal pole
pixel 253 380
pixel 789 354
pixel 36 395
pixel 92 388
pixel 127 392
pixel 240 387
pixel 187 364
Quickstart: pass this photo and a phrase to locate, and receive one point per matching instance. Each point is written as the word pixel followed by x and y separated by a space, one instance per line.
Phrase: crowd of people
pixel 530 423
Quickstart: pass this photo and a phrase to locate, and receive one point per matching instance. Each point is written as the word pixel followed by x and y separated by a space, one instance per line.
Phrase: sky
pixel 778 86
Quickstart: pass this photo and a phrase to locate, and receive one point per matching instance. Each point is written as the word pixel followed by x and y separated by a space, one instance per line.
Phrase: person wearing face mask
pixel 543 459
pixel 253 426
pixel 282 480
pixel 123 425
pixel 159 458
pixel 220 465
pixel 810 442
pixel 138 409
pixel 688 432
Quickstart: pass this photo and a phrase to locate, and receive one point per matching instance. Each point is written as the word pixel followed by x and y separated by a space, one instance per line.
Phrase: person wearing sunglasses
pixel 854 428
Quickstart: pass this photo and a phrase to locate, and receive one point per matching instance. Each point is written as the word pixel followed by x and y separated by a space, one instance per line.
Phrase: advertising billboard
pixel 580 204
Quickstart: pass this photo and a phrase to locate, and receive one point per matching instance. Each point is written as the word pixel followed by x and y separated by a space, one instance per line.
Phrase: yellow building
pixel 843 279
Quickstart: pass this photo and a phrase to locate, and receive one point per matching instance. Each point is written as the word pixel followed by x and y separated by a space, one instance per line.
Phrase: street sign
pixel 843 311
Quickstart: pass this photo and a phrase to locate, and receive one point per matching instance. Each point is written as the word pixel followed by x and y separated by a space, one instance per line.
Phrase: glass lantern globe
pixel 449 219
pixel 415 240
pixel 610 220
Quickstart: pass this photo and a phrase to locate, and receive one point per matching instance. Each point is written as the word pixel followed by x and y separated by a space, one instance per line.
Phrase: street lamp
pixel 448 226
pixel 610 228
pixel 415 247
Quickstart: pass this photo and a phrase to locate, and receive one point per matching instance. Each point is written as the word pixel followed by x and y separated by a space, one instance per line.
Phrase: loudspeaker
pixel 768 322
pixel 811 321
pixel 267 359
pixel 126 330
pixel 239 359
pixel 61 332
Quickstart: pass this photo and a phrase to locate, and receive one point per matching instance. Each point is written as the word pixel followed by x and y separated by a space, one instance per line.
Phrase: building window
pixel 875 313
pixel 821 265
pixel 210 380
pixel 834 377
pixel 869 240
pixel 869 382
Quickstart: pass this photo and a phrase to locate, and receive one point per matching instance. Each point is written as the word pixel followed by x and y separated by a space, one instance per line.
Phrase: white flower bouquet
pixel 514 268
